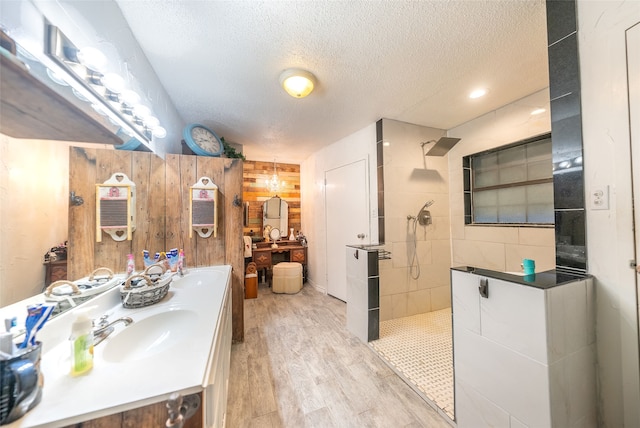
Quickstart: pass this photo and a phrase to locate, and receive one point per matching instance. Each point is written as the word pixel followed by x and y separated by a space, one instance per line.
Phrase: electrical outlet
pixel 599 197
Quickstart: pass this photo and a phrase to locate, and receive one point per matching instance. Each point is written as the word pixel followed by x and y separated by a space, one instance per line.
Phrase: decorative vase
pixel 291 236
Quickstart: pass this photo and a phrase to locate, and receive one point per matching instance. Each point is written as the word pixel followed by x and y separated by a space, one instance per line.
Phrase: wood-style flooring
pixel 300 367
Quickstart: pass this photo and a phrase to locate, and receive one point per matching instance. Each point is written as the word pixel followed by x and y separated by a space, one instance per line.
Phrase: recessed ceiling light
pixel 478 93
pixel 538 111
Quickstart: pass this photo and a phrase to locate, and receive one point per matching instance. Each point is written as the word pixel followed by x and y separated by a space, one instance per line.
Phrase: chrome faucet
pixel 105 329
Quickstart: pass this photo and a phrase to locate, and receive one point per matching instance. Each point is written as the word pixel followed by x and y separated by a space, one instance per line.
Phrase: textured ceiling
pixel 413 61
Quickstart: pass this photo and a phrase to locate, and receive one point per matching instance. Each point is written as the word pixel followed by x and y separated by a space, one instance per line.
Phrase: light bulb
pixel 92 58
pixel 113 82
pixel 159 132
pixel 141 111
pixel 130 97
pixel 151 121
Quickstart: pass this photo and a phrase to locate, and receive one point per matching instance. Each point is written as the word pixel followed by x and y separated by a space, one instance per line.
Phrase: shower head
pixel 427 204
pixel 441 147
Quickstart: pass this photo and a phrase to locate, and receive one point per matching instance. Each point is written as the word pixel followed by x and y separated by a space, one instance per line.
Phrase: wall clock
pixel 202 141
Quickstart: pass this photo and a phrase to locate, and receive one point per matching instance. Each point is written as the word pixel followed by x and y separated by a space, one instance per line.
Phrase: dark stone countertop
pixel 543 280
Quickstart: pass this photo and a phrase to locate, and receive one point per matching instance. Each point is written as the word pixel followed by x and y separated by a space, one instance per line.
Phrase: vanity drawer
pixel 55 271
pixel 262 258
pixel 298 255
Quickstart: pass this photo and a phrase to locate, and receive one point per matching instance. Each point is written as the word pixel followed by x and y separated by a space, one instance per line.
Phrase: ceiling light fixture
pixel 538 111
pixel 274 183
pixel 297 82
pixel 478 93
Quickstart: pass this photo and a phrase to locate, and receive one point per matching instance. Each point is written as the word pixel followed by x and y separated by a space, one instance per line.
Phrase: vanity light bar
pixel 65 55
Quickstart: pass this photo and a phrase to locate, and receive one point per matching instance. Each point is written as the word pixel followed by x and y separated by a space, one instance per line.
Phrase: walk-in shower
pixel 423 217
pixel 415 315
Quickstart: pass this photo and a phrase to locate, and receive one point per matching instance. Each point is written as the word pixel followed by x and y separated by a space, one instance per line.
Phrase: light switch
pixel 599 197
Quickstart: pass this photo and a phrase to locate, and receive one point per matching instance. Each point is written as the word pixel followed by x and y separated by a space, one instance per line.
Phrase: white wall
pixel 610 241
pixel 410 180
pixel 360 145
pixel 498 248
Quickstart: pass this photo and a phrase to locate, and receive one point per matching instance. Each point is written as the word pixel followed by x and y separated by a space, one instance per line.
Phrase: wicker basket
pixel 68 294
pixel 146 288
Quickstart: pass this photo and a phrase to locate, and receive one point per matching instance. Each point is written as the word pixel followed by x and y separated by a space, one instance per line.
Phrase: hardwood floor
pixel 300 367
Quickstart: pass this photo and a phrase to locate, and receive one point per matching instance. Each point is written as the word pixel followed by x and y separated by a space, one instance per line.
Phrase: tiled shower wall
pixel 566 134
pixel 411 179
pixel 497 248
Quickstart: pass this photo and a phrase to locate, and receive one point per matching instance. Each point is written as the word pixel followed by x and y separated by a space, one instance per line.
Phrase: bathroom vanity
pixel 180 345
pixel 524 349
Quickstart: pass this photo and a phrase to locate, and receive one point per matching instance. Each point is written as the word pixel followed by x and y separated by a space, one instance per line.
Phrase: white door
pixel 347 214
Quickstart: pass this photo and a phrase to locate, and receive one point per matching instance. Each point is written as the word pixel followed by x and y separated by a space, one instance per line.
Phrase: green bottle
pixel 81 345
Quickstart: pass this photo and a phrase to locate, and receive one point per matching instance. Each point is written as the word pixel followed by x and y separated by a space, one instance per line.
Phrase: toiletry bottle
pixel 131 265
pixel 181 266
pixel 81 345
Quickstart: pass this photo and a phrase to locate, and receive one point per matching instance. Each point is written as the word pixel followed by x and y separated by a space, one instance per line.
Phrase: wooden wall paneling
pixel 173 202
pixel 234 246
pixel 82 218
pixel 149 176
pixel 163 225
pixel 255 192
pixel 110 253
pixel 211 250
pixel 187 177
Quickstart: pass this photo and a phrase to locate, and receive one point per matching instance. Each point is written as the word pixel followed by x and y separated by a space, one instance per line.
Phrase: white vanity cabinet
pixel 524 351
pixel 216 392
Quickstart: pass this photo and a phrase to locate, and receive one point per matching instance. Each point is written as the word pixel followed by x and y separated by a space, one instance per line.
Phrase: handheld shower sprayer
pixel 424 219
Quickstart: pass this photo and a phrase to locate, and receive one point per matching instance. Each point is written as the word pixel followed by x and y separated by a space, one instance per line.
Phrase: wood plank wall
pixel 162 214
pixel 255 192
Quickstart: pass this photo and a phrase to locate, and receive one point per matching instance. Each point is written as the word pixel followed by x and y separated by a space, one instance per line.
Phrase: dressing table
pixel 288 251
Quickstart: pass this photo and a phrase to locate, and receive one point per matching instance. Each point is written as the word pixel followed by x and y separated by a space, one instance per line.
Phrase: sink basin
pixel 149 336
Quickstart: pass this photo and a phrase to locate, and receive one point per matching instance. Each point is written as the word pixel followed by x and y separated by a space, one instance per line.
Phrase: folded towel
pixel 247 246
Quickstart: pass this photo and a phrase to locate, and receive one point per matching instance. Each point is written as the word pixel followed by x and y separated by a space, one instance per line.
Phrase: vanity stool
pixel 287 277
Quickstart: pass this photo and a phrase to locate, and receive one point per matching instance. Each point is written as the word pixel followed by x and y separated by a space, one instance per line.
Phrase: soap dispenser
pixel 81 341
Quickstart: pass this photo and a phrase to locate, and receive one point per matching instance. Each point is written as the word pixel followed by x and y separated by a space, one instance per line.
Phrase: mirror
pixel 275 214
pixel 34 208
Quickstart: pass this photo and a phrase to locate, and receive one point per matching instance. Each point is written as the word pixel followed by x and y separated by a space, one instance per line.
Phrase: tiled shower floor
pixel 419 348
